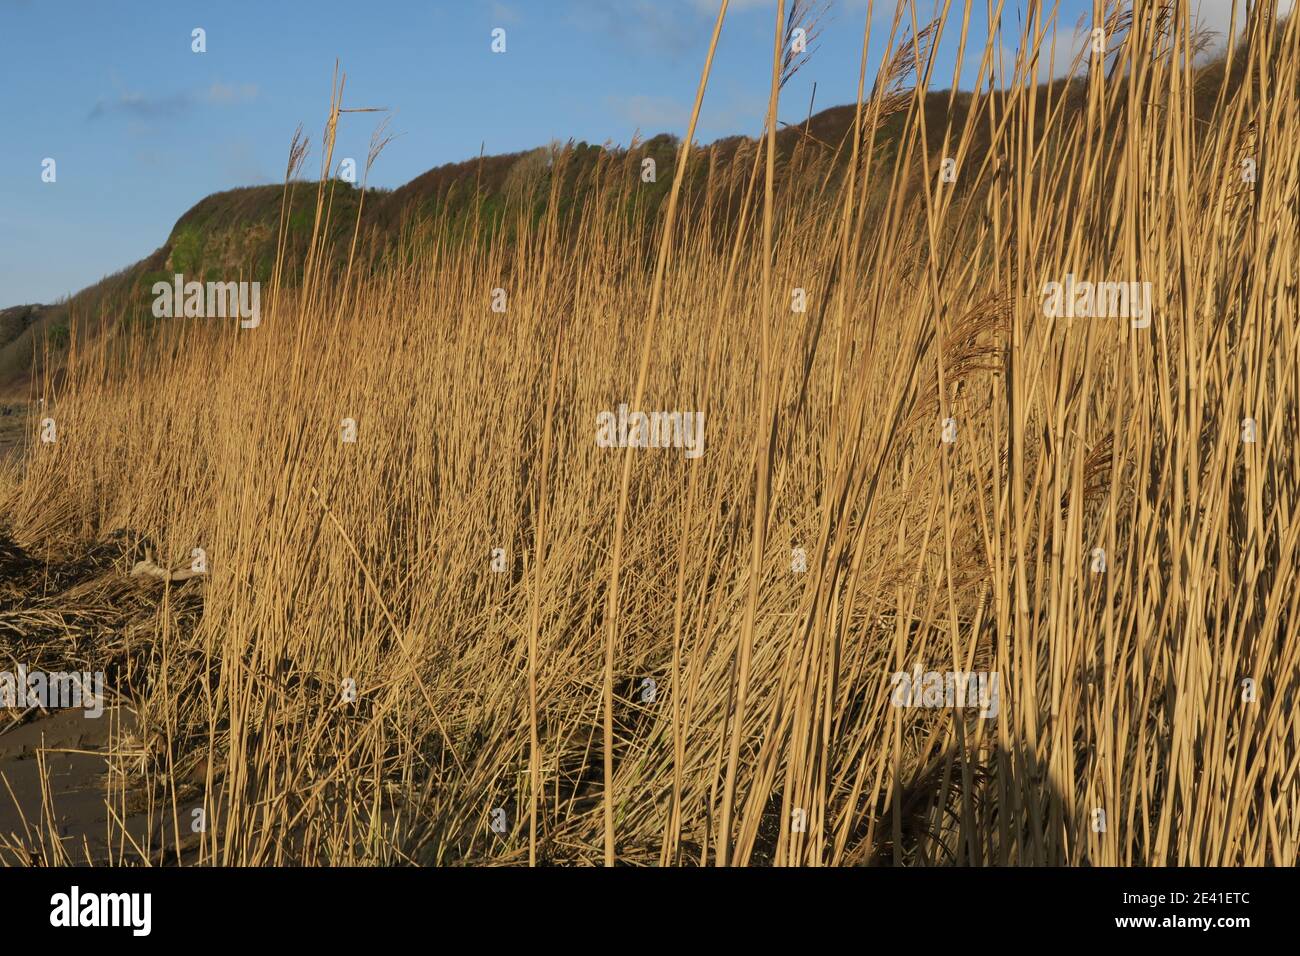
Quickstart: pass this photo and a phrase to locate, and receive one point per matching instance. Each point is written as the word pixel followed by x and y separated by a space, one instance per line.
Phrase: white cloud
pixel 1215 14
pixel 228 93
pixel 645 26
pixel 503 14
pixel 147 107
pixel 650 114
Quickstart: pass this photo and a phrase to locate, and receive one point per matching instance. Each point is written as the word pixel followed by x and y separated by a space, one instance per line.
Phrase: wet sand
pixel 72 747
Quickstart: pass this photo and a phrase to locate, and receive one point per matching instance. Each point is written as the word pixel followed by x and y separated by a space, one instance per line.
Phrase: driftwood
pixel 147 569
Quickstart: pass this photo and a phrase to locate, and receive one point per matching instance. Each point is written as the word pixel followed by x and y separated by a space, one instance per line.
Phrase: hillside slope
pixel 233 234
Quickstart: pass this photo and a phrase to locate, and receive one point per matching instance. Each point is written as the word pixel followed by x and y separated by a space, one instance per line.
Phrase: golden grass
pixel 525 690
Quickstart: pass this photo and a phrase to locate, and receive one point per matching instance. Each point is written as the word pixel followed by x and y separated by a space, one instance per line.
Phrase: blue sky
pixel 142 128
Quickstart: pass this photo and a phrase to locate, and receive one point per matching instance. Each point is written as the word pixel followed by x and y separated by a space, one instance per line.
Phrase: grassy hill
pixel 234 234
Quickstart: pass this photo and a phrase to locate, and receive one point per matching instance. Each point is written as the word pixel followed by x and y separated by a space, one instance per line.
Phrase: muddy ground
pixel 60 799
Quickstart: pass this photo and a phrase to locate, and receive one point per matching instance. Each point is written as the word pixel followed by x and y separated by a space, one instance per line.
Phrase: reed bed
pixel 569 654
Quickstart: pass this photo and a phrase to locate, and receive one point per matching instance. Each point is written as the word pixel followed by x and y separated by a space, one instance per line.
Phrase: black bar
pixel 339 906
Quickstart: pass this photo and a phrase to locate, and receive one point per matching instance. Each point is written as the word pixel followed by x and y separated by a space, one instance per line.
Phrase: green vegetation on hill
pixel 233 235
